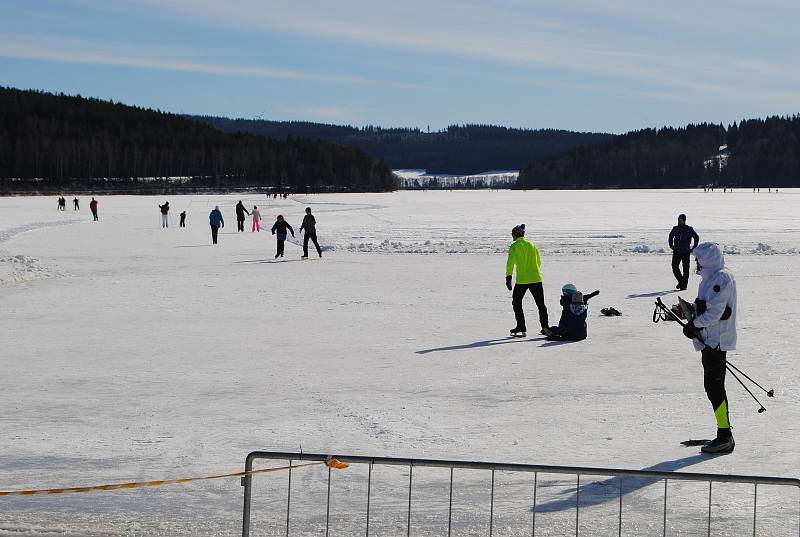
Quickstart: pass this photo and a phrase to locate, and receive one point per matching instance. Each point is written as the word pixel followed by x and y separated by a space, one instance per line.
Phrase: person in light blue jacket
pixel 216 221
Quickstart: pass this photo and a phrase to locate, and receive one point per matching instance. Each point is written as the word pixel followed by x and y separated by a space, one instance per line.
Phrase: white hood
pixel 710 257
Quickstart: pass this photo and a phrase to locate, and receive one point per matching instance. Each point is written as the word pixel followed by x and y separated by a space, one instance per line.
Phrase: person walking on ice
pixel 93 207
pixel 182 223
pixel 164 214
pixel 280 226
pixel 525 257
pixel 310 225
pixel 216 221
pixel 256 219
pixel 680 242
pixel 240 210
pixel 712 328
pixel 76 205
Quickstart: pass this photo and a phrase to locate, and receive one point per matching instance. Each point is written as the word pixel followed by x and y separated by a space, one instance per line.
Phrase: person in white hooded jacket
pixel 713 331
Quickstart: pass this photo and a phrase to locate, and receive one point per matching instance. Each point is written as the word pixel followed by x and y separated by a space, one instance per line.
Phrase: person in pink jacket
pixel 256 218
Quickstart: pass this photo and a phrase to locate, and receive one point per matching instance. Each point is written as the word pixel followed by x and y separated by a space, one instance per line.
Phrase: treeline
pixel 57 142
pixel 761 152
pixel 458 149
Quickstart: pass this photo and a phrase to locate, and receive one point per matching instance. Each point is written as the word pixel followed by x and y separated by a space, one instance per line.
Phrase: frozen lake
pixel 133 353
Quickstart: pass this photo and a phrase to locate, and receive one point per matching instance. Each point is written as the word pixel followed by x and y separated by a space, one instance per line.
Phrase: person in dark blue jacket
pixel 281 226
pixel 216 221
pixel 680 242
pixel 572 324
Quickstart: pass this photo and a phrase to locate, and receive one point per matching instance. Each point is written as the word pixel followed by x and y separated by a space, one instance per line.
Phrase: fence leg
pixel 709 508
pixel 247 483
pixel 491 508
pixel 533 517
pixel 577 505
pixel 755 508
pixel 328 506
pixel 369 490
pixel 450 506
pixel 620 505
pixel 665 507
pixel 289 498
pixel 410 477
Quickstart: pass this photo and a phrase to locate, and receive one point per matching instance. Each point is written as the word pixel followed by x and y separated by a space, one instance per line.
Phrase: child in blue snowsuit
pixel 572 325
pixel 281 226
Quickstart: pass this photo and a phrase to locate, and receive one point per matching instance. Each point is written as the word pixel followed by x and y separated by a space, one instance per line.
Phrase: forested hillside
pixel 760 152
pixel 50 142
pixel 459 149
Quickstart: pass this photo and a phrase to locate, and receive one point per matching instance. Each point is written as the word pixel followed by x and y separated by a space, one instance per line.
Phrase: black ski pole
pixel 662 312
pixel 760 410
pixel 770 393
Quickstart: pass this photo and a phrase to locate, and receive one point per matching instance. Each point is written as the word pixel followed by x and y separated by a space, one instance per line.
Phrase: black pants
pixel 183 222
pixel 537 291
pixel 678 260
pixel 313 238
pixel 714 368
pixel 214 230
pixel 280 248
pixel 240 224
pixel 94 214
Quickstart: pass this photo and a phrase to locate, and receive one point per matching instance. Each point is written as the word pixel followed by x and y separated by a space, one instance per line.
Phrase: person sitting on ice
pixel 572 325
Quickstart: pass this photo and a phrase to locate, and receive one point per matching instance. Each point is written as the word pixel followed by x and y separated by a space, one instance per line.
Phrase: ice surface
pixel 130 353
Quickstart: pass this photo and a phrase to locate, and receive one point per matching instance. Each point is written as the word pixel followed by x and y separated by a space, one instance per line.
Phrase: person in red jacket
pixel 93 208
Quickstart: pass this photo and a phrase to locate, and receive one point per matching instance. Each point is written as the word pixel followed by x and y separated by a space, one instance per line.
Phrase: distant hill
pixel 52 142
pixel 467 149
pixel 751 153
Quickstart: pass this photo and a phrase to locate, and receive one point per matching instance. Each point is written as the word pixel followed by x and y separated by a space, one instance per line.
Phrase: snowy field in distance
pixel 131 353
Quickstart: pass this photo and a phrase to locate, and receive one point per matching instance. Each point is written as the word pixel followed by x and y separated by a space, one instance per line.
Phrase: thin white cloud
pixel 32 47
pixel 548 34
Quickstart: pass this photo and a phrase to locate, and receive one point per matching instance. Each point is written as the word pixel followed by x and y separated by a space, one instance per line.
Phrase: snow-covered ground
pixel 128 352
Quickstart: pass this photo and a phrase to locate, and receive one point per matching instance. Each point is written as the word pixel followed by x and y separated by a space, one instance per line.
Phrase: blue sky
pixel 590 65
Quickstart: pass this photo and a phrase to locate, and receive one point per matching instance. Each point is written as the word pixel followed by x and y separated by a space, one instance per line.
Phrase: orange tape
pixel 330 462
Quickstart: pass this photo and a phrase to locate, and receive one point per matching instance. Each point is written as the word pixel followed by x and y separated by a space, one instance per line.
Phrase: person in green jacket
pixel 524 255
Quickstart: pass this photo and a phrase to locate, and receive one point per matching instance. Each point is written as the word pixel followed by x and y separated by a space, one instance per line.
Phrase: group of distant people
pixel 76 205
pixel 280 228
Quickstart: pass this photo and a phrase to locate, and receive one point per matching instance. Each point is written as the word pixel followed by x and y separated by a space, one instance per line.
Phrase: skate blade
pixel 701 442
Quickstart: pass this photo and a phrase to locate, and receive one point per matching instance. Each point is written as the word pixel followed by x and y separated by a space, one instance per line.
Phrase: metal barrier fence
pixel 651 477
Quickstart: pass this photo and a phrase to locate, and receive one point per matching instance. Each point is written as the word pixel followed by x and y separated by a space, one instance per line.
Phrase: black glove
pixel 690 330
pixel 508 282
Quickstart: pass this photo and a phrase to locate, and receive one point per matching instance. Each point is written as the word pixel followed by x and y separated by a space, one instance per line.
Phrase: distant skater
pixel 164 214
pixel 280 226
pixel 182 223
pixel 680 242
pixel 310 225
pixel 240 210
pixel 93 207
pixel 76 206
pixel 62 204
pixel 216 221
pixel 256 219
pixel 525 257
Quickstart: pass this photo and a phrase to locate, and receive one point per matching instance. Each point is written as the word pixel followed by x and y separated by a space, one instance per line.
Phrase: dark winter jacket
pixel 215 218
pixel 281 226
pixel 164 208
pixel 680 239
pixel 572 325
pixel 240 210
pixel 309 224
